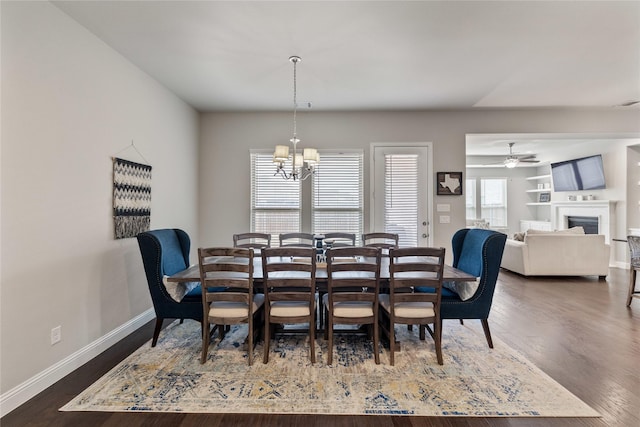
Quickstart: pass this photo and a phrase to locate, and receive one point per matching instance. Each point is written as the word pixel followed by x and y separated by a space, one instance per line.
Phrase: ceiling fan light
pixel 511 162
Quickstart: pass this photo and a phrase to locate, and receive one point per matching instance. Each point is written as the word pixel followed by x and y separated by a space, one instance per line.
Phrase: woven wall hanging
pixel 131 198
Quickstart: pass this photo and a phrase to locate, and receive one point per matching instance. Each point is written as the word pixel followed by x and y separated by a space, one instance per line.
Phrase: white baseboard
pixel 620 264
pixel 25 391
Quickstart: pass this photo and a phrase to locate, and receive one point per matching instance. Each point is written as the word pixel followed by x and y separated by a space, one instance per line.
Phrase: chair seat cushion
pixel 289 308
pixel 350 308
pixel 416 309
pixel 230 309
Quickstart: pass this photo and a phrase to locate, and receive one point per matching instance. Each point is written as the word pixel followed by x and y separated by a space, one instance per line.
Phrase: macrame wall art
pixel 131 198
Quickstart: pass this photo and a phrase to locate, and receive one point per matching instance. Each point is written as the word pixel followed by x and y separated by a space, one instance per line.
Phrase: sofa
pixel 557 253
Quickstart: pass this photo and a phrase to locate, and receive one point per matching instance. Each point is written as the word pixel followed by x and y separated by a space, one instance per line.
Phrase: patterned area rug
pixel 474 381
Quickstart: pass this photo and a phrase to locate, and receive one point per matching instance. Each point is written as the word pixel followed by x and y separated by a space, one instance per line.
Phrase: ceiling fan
pixel 512 160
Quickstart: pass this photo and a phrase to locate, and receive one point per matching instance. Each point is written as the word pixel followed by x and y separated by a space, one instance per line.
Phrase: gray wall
pixel 226 139
pixel 69 103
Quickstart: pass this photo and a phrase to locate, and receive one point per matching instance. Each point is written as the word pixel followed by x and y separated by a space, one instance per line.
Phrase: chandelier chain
pixel 295 97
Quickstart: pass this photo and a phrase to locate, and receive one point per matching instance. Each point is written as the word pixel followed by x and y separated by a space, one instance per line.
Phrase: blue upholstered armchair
pixel 478 252
pixel 165 252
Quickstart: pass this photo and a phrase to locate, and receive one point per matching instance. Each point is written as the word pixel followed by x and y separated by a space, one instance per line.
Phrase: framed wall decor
pixel 449 183
pixel 545 197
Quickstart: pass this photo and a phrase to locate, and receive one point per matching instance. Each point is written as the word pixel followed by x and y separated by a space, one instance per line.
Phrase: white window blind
pixel 493 204
pixel 401 197
pixel 337 194
pixel 470 198
pixel 275 202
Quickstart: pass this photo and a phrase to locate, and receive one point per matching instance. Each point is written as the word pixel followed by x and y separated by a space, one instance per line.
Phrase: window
pixel 470 198
pixel 275 202
pixel 492 203
pixel 336 196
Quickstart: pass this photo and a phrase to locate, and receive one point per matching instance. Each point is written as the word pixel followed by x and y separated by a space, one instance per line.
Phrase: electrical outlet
pixel 56 335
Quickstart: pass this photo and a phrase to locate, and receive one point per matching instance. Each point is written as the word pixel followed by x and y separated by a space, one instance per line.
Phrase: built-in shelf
pixel 533 178
pixel 541 195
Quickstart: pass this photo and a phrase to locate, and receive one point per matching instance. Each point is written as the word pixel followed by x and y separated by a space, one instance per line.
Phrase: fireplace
pixel 602 210
pixel 589 223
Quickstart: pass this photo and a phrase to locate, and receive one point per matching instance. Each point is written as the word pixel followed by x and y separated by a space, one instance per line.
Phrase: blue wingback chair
pixel 165 252
pixel 478 252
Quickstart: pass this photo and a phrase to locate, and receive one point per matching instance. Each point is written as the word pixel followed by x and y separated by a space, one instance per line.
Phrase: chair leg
pixel 205 340
pixel 156 331
pixel 437 337
pixel 392 342
pixel 376 342
pixel 632 285
pixel 326 322
pixel 487 332
pixel 267 331
pixel 250 336
pixel 312 337
pixel 328 331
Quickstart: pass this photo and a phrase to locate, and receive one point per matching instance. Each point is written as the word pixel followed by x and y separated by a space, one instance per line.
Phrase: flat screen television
pixel 586 173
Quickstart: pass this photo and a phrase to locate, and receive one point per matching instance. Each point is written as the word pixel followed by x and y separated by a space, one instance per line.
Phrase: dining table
pixel 192 274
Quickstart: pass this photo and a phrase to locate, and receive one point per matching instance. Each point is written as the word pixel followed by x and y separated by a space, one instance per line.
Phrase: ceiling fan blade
pixel 527 157
pixel 529 161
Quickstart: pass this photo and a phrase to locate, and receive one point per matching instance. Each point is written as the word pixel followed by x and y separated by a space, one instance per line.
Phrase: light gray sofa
pixel 559 253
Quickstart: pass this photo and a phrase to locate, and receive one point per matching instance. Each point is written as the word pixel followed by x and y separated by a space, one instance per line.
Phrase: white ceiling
pixel 375 55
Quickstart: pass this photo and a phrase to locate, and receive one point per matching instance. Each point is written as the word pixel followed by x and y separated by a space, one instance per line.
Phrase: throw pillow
pixel 465 290
pixel 519 237
pixel 177 290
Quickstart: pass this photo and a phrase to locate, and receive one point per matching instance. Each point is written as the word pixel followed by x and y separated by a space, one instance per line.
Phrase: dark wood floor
pixel 577 330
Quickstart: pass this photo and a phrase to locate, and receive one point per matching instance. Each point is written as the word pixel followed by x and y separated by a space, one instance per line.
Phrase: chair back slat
pixel 385 241
pixel 304 240
pixel 252 240
pixel 339 240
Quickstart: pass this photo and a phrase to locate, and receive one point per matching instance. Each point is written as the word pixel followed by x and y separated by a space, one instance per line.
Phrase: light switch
pixel 445 219
pixel 443 207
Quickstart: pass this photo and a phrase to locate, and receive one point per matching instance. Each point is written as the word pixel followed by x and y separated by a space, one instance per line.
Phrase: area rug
pixel 474 380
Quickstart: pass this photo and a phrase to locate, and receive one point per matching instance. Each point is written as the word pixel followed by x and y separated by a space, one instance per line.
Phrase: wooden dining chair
pixel 385 241
pixel 231 268
pixel 634 265
pixel 289 277
pixel 410 268
pixel 353 288
pixel 338 239
pixel 304 240
pixel 252 240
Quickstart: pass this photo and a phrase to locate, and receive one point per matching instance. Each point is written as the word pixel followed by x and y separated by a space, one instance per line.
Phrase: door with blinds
pixel 401 193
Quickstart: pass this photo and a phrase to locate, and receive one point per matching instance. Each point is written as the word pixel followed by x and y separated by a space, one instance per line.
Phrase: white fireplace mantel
pixel 604 210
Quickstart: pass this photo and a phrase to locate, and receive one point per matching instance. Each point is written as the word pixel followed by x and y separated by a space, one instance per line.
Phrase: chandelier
pixel 302 163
